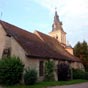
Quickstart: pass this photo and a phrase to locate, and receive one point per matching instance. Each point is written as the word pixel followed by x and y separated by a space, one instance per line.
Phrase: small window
pixel 6 52
pixel 8 35
pixel 41 68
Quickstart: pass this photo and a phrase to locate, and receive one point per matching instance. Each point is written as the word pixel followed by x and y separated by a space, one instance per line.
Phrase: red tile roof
pixel 55 45
pixel 34 46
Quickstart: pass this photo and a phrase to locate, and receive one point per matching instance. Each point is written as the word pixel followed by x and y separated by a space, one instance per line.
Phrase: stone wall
pixel 77 65
pixel 2 40
pixel 17 50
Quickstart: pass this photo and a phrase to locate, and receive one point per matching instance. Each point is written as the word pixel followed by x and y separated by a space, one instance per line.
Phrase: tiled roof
pixel 55 45
pixel 47 47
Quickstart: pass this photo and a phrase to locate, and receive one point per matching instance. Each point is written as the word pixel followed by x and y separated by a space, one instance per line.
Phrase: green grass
pixel 46 84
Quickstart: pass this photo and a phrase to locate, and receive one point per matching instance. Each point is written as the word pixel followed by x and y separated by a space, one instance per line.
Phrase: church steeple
pixel 59 34
pixel 57 25
pixel 57 30
pixel 56 17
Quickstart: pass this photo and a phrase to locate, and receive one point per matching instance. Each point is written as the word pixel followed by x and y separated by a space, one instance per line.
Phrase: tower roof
pixel 56 17
pixel 57 24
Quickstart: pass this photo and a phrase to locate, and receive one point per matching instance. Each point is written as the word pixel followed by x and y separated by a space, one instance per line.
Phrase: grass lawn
pixel 46 84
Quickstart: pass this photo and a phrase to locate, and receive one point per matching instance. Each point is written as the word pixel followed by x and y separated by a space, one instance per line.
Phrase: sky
pixel 38 15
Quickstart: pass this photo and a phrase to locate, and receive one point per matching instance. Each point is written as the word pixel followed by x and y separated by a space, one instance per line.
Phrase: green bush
pixel 49 71
pixel 86 75
pixel 30 76
pixel 11 70
pixel 79 74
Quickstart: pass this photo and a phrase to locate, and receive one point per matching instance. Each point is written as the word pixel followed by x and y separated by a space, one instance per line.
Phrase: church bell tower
pixel 57 30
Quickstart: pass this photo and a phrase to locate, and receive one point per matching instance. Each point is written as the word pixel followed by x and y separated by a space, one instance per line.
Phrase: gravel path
pixel 82 85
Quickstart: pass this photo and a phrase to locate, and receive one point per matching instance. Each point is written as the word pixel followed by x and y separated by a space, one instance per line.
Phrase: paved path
pixel 82 85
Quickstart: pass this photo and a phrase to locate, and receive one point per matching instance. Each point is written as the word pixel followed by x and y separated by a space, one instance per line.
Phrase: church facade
pixel 34 49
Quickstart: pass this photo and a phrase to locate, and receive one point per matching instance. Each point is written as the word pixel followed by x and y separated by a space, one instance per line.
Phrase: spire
pixel 56 12
pixel 56 17
pixel 56 24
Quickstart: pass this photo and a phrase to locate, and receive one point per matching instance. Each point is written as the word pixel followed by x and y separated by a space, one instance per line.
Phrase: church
pixel 34 49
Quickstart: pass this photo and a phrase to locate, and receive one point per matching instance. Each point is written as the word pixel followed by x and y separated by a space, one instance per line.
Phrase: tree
pixel 81 51
pixel 77 49
pixel 84 49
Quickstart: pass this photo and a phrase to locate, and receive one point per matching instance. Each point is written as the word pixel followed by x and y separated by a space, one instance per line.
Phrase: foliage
pixel 49 71
pixel 11 69
pixel 86 75
pixel 77 49
pixel 49 84
pixel 81 51
pixel 63 71
pixel 30 76
pixel 78 74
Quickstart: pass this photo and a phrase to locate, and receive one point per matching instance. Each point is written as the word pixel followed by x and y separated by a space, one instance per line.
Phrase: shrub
pixel 78 74
pixel 11 70
pixel 49 71
pixel 30 76
pixel 86 75
pixel 63 71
